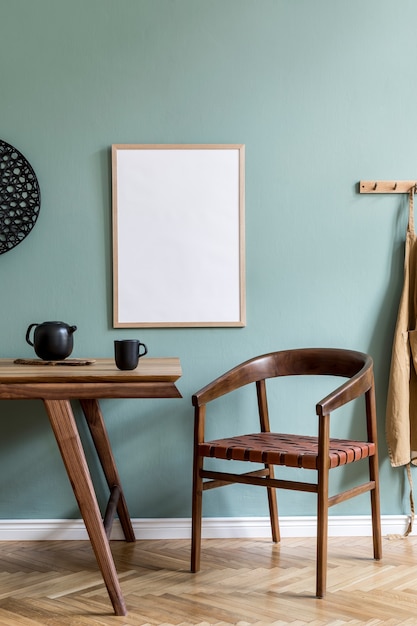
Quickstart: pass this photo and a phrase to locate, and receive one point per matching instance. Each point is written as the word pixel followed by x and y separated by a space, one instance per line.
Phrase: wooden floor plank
pixel 242 582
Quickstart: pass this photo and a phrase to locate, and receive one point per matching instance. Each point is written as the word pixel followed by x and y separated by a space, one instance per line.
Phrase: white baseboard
pixel 215 527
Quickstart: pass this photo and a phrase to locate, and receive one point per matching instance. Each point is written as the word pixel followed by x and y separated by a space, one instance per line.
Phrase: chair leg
pixel 265 427
pixel 322 532
pixel 196 517
pixel 374 474
pixel 273 508
pixel 375 509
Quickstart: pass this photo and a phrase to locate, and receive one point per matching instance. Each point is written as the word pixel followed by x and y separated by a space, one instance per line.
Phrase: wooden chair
pixel 320 453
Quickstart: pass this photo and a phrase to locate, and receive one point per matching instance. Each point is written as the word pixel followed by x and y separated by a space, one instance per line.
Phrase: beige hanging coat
pixel 401 418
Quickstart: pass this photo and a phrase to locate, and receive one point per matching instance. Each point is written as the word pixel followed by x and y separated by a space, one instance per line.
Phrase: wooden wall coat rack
pixel 387 186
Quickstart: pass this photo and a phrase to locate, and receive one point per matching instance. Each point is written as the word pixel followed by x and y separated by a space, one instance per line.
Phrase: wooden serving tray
pixel 62 362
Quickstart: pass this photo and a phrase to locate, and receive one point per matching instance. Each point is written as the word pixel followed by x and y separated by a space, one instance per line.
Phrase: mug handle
pixel 28 333
pixel 145 349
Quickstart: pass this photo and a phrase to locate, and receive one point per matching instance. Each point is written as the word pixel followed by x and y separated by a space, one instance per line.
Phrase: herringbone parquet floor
pixel 242 582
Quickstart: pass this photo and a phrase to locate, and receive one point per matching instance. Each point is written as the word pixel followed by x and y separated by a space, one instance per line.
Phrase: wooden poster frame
pixel 178 235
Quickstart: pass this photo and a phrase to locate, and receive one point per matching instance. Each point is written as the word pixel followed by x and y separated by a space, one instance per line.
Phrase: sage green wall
pixel 322 94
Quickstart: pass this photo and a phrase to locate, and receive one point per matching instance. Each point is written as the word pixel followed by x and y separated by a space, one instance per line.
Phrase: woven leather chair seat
pixel 289 450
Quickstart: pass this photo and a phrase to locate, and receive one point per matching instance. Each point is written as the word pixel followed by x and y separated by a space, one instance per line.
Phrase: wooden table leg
pixel 66 433
pixel 95 421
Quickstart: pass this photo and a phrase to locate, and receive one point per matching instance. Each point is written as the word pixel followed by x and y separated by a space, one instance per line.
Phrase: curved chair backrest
pixel 303 361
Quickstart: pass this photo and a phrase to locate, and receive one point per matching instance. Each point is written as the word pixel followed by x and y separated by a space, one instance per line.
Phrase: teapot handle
pixel 28 333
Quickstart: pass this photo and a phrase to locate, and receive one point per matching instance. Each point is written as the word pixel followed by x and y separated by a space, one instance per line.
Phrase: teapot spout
pixel 72 329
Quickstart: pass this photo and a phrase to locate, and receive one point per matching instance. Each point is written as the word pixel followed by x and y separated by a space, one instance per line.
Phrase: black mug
pixel 127 353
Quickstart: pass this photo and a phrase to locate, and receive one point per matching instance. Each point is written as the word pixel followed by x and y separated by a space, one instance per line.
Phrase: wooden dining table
pixel 57 383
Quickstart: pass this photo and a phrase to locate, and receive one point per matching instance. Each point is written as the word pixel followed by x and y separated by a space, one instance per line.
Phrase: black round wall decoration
pixel 20 197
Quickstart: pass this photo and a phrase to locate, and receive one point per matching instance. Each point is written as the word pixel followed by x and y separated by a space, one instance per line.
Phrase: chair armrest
pixel 246 373
pixel 353 388
pixel 217 388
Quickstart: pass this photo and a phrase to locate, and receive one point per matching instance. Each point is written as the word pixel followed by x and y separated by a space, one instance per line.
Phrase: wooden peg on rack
pixel 386 186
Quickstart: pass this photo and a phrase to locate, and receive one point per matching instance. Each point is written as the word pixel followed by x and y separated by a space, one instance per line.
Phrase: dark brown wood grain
pixel 320 453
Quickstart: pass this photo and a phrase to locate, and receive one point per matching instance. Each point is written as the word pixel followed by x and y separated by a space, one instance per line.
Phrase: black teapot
pixel 53 341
